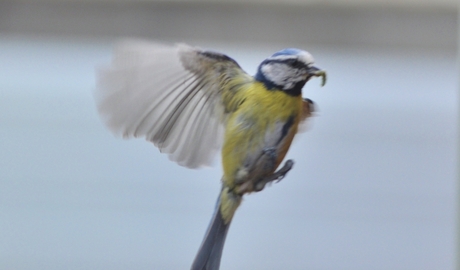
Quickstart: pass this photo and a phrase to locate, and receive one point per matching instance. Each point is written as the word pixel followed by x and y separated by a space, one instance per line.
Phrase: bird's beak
pixel 314 71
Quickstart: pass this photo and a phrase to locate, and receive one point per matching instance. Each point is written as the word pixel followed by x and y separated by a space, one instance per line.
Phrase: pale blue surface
pixel 373 186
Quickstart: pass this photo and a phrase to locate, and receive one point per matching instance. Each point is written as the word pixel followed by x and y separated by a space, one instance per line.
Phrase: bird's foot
pixel 276 176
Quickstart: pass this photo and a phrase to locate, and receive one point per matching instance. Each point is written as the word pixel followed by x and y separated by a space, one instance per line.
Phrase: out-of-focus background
pixel 373 187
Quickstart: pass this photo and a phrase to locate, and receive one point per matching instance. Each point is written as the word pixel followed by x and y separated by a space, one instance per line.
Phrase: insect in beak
pixel 314 71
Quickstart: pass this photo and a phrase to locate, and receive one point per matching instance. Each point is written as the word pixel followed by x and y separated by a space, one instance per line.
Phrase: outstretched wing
pixel 174 96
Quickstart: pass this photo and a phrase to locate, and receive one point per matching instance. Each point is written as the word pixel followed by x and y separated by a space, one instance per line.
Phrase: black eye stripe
pixel 298 64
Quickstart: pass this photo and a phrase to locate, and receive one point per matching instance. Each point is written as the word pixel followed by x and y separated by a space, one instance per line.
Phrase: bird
pixel 192 103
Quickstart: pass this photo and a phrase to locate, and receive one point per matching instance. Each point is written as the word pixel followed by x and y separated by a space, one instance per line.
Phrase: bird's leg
pixel 264 164
pixel 269 158
pixel 276 176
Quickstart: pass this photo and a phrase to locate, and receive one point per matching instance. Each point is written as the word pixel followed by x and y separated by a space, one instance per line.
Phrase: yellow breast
pixel 260 114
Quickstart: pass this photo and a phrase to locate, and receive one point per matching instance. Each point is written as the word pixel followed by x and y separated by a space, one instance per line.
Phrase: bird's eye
pixel 295 63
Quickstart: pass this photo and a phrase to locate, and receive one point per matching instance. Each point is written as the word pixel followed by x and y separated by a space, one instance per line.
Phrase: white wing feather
pixel 147 92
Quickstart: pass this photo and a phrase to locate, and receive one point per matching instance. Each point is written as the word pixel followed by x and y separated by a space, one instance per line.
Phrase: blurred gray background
pixel 373 187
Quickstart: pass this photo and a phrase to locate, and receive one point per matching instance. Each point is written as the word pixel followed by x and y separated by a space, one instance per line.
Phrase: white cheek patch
pixel 281 74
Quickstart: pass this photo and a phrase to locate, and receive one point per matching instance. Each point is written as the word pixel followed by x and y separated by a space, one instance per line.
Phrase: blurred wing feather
pixel 308 110
pixel 171 95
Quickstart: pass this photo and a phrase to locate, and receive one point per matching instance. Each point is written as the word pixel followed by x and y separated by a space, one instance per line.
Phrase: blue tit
pixel 191 103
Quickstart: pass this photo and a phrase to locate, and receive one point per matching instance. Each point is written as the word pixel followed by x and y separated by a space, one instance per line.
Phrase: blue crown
pixel 288 51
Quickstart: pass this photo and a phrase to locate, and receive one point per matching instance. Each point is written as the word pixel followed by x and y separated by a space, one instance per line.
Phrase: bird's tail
pixel 210 252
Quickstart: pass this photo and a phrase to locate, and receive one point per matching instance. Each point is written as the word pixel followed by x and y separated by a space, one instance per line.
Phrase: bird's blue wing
pixel 170 95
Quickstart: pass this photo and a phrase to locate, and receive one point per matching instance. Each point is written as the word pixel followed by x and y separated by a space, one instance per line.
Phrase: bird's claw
pixel 276 176
pixel 281 173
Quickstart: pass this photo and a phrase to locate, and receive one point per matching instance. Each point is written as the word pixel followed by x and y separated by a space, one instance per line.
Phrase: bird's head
pixel 288 70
